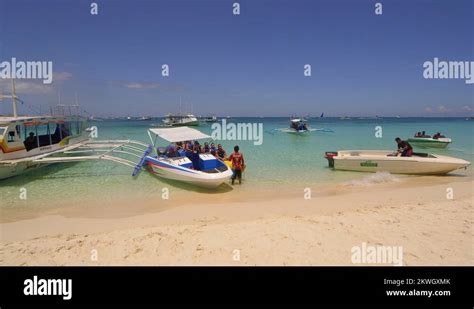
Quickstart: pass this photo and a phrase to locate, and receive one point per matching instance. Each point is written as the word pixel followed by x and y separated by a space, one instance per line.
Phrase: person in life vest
pixel 238 164
pixel 220 152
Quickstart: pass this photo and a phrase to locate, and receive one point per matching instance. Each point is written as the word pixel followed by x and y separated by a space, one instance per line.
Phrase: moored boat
pixel 203 170
pixel 208 119
pixel 177 120
pixel 429 142
pixel 297 126
pixel 386 161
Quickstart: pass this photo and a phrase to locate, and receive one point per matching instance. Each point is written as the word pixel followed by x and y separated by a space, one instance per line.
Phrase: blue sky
pixel 246 65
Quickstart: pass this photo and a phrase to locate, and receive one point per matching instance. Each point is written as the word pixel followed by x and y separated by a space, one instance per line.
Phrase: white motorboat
pixel 429 142
pixel 177 120
pixel 386 161
pixel 202 170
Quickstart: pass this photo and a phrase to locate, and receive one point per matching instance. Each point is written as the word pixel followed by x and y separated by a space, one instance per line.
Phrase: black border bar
pixel 237 285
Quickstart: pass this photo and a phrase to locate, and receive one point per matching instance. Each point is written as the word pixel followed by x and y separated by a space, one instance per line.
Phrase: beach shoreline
pixel 274 228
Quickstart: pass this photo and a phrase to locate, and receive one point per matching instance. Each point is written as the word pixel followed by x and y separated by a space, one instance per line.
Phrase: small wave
pixel 378 177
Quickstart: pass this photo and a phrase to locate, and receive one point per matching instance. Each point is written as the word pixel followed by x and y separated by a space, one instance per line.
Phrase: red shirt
pixel 237 160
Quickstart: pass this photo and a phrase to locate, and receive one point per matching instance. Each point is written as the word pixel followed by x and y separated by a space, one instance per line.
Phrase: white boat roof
pixel 179 134
pixel 11 119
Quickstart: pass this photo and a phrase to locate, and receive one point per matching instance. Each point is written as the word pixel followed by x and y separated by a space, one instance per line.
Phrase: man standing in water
pixel 404 148
pixel 238 164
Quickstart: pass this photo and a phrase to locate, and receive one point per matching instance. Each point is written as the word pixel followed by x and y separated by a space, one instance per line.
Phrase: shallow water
pixel 283 160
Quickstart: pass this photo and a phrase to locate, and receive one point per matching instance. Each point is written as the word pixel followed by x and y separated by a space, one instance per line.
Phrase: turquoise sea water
pixel 282 160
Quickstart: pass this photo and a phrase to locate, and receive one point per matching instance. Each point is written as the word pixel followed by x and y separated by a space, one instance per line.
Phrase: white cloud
pixel 443 109
pixel 467 108
pixel 26 87
pixel 61 76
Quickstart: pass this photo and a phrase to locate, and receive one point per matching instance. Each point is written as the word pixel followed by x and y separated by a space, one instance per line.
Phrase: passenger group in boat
pixel 192 149
pixel 423 135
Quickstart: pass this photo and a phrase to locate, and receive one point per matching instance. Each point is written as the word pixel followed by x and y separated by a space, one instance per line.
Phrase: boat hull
pixel 182 124
pixel 430 142
pixel 12 170
pixel 294 131
pixel 193 177
pixel 378 161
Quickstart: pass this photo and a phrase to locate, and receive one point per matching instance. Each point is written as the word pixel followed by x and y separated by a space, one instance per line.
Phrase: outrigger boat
pixel 203 170
pixel 30 142
pixel 430 142
pixel 386 161
pixel 297 126
pixel 300 126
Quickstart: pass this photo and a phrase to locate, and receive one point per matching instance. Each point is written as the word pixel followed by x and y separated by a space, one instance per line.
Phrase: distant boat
pixel 398 117
pixel 427 141
pixel 344 118
pixel 322 115
pixel 208 119
pixel 176 120
pixel 298 125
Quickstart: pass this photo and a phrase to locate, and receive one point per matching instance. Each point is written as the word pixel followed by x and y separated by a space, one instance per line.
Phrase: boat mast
pixel 15 114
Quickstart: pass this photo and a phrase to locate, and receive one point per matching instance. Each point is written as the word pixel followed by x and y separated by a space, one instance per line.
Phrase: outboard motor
pixel 329 155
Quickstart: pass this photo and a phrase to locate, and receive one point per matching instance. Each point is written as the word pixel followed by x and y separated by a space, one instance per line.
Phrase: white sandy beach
pixel 275 230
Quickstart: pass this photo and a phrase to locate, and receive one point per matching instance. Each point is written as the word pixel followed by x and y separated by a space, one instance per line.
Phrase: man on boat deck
pixel 404 148
pixel 212 150
pixel 238 164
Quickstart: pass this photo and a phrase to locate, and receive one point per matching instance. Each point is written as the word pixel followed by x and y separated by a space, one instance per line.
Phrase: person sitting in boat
pixel 423 134
pixel 212 149
pixel 220 152
pixel 197 147
pixel 238 164
pixel 188 146
pixel 206 148
pixel 31 141
pixel 438 135
pixel 418 134
pixel 294 125
pixel 65 131
pixel 170 151
pixel 404 148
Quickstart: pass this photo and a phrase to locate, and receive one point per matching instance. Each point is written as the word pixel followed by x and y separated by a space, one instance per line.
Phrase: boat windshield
pixel 2 131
